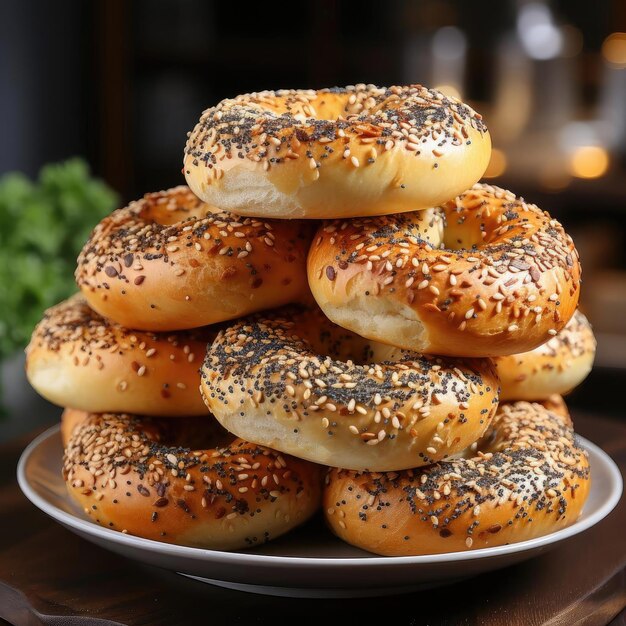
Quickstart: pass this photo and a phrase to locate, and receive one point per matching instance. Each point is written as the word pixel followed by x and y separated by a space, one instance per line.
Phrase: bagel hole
pixel 165 217
pixel 463 236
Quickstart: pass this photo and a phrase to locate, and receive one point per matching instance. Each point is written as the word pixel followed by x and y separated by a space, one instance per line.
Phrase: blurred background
pixel 119 83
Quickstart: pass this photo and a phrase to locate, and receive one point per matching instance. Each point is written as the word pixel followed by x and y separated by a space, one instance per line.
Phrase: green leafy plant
pixel 43 226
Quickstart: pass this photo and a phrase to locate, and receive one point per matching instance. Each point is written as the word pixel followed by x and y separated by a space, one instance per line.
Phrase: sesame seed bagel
pixel 341 152
pixel 297 383
pixel 70 420
pixel 556 404
pixel 169 261
pixel 503 280
pixel 529 478
pixel 78 358
pixel 557 366
pixel 136 475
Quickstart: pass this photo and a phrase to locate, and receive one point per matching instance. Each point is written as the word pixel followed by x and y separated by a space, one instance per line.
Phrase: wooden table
pixel 50 576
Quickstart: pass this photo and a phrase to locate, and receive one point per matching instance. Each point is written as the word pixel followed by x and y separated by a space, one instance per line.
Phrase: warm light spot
pixel 554 179
pixel 614 49
pixel 449 90
pixel 589 161
pixel 497 164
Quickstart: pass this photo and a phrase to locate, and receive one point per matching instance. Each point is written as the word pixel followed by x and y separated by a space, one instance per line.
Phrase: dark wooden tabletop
pixel 50 576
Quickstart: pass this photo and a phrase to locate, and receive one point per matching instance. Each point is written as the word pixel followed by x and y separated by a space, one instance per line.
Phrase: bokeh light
pixel 614 49
pixel 449 43
pixel 555 177
pixel 572 40
pixel 497 164
pixel 589 162
pixel 540 37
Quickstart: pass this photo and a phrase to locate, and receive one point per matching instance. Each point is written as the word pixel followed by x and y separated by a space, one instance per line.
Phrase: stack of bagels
pixel 333 316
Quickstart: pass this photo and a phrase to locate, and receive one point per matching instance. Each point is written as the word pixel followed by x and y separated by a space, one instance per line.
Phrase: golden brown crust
pixel 555 404
pixel 342 152
pixel 71 419
pixel 298 383
pixel 135 475
pixel 529 478
pixel 78 358
pixel 557 366
pixel 169 261
pixel 505 280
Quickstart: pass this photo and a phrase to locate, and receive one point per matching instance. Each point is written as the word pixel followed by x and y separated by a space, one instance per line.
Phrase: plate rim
pixel 271 560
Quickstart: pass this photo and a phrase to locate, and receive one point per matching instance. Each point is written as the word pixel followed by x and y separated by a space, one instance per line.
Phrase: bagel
pixel 557 366
pixel 555 404
pixel 135 475
pixel 200 431
pixel 504 279
pixel 529 478
pixel 78 358
pixel 341 152
pixel 168 262
pixel 71 419
pixel 295 382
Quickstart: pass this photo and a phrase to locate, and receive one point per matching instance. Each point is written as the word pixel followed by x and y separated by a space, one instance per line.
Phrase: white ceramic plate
pixel 308 562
